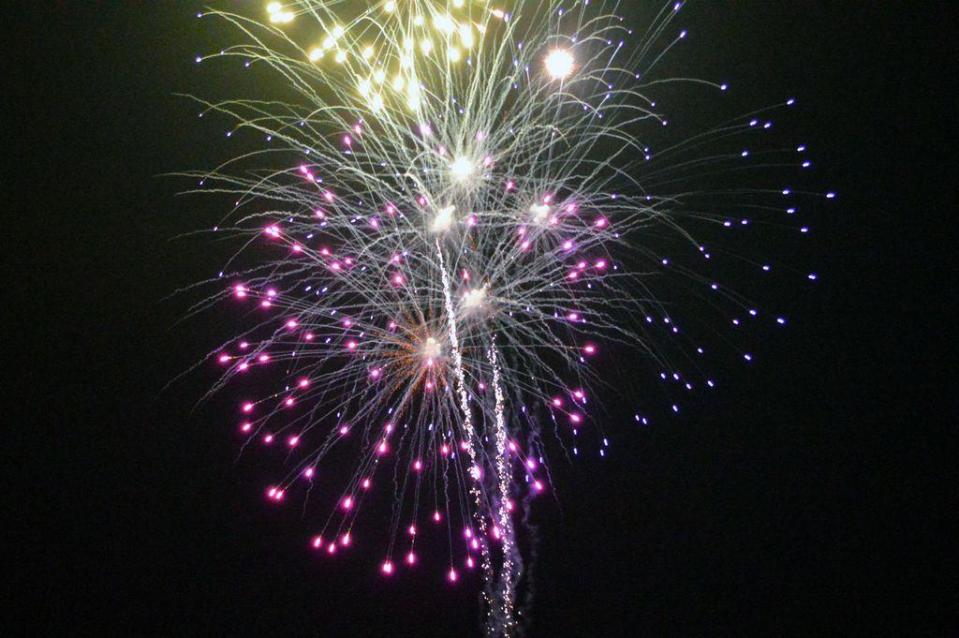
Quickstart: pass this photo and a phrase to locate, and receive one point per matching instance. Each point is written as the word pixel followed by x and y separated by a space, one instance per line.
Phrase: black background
pixel 812 495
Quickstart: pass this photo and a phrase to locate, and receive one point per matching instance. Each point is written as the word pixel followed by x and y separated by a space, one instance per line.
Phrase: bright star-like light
pixel 559 64
pixel 474 298
pixel 443 220
pixel 461 168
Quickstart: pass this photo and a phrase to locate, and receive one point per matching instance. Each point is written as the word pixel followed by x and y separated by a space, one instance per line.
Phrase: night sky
pixel 811 494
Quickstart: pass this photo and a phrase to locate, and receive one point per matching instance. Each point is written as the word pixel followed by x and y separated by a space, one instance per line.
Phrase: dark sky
pixel 813 493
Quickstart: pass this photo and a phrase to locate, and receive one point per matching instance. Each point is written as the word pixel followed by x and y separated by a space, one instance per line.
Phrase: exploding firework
pixel 450 213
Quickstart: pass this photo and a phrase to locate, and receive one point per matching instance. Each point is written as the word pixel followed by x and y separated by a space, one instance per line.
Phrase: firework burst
pixel 451 212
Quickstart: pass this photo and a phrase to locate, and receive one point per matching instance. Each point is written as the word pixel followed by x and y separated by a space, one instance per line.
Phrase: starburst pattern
pixel 453 213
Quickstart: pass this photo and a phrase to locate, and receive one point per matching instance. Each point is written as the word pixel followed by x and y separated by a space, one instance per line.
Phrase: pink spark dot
pixel 510 185
pixel 411 559
pixel 289 402
pixel 469 562
pixel 568 245
pixel 376 373
pixel 538 486
pixel 271 493
pixel 452 575
pixel 308 336
pixel 328 196
pixel 347 141
pixel 263 358
pixel 365 484
pixel 304 382
pixel 309 472
pixel 601 222
pixel 382 448
pixel 224 358
pixel 417 465
pixel 474 544
pixel 293 441
pixel 344 429
pixel 291 323
pixel 589 349
pixel 601 264
pixel 272 231
pixel 512 446
pixel 531 463
pixel 388 428
pixel 496 533
pixel 557 402
pixel 412 530
pixel 243 367
pixel 268 439
pixel 297 248
pixel 467 532
pixel 464 445
pixel 317 542
pixel 351 345
pixel 240 292
pixel 331 548
pixel 346 540
pixel 579 394
pixel 429 384
pixel 348 503
pixel 437 517
pixel 575 418
pixel 387 568
pixel 271 292
pixel 244 345
pixel 247 407
pixel 444 450
pixel 246 426
pixel 265 303
pixel 509 505
pixel 319 213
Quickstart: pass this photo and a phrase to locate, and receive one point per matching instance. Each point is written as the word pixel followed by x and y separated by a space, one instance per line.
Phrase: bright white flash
pixel 432 348
pixel 559 64
pixel 540 212
pixel 461 168
pixel 443 220
pixel 474 298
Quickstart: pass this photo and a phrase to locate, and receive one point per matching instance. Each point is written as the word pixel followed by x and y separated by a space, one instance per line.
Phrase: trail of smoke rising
pixel 505 523
pixel 471 437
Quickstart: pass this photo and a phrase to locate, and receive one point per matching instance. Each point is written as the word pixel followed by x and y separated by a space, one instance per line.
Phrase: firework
pixel 450 213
